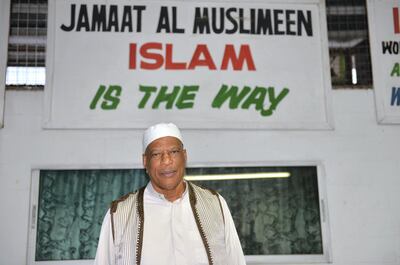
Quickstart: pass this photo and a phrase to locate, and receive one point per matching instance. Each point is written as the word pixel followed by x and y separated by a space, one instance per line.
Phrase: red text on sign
pixel 155 55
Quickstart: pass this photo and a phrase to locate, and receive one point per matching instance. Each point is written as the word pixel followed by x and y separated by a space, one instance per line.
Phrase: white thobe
pixel 170 235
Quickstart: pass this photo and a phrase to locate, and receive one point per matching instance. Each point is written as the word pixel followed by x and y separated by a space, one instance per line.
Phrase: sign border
pixel 381 114
pixel 328 123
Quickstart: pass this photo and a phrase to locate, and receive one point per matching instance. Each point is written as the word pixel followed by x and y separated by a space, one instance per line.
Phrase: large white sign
pixel 128 64
pixel 384 25
pixel 4 28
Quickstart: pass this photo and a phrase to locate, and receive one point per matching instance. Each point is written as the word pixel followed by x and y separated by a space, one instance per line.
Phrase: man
pixel 170 221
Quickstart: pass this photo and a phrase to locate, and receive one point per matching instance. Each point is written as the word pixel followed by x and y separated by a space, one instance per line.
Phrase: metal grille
pixel 349 50
pixel 347 33
pixel 27 42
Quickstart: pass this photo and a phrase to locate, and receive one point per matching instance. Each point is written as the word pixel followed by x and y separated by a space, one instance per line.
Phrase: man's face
pixel 165 162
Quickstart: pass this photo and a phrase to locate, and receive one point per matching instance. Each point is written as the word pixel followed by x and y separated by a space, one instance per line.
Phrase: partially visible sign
pixel 128 64
pixel 4 27
pixel 384 25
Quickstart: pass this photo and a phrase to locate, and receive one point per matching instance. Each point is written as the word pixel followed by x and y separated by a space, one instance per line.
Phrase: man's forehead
pixel 164 142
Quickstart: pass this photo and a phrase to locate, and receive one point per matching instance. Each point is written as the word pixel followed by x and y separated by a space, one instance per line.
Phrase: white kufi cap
pixel 158 131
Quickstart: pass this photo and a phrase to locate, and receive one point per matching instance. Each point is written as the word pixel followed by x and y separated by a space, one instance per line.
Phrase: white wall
pixel 361 160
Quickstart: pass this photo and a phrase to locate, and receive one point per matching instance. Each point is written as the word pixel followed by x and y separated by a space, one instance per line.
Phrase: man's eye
pixel 155 155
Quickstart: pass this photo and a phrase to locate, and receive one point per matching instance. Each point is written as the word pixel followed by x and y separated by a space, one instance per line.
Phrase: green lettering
pixel 111 98
pixel 232 94
pixel 256 97
pixel 186 98
pixel 96 98
pixel 147 92
pixel 274 100
pixel 395 70
pixel 163 96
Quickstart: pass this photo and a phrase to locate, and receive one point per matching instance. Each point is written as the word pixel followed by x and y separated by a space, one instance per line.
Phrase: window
pixel 349 43
pixel 71 207
pixel 278 211
pixel 27 43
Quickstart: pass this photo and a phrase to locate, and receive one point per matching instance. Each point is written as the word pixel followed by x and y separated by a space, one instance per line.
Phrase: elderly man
pixel 169 221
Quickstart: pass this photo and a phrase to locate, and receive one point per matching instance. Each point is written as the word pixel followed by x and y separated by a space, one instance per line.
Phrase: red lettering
pixel 147 54
pixel 396 21
pixel 237 61
pixel 169 64
pixel 132 56
pixel 152 56
pixel 202 50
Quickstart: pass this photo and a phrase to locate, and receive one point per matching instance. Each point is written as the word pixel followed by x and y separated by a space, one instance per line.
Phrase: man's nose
pixel 166 158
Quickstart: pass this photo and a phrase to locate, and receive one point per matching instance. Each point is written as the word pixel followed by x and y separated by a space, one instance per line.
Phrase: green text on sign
pixel 247 97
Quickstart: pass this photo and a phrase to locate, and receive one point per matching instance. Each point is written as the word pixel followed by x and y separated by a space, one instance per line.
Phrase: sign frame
pixel 50 120
pixel 384 114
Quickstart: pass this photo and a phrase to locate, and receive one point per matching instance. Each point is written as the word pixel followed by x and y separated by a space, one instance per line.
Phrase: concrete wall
pixel 361 161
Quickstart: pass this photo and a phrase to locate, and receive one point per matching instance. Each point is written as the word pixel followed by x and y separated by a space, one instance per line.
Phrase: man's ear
pixel 144 161
pixel 185 155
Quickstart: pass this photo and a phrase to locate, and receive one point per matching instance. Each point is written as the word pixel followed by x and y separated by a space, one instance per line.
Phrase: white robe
pixel 170 234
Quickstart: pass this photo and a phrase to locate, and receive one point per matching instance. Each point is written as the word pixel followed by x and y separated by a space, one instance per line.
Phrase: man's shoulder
pixel 200 188
pixel 125 200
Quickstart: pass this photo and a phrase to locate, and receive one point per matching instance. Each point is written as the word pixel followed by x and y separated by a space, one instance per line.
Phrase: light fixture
pixel 353 70
pixel 263 175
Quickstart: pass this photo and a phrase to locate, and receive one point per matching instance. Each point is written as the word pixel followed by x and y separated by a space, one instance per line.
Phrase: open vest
pixel 127 221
